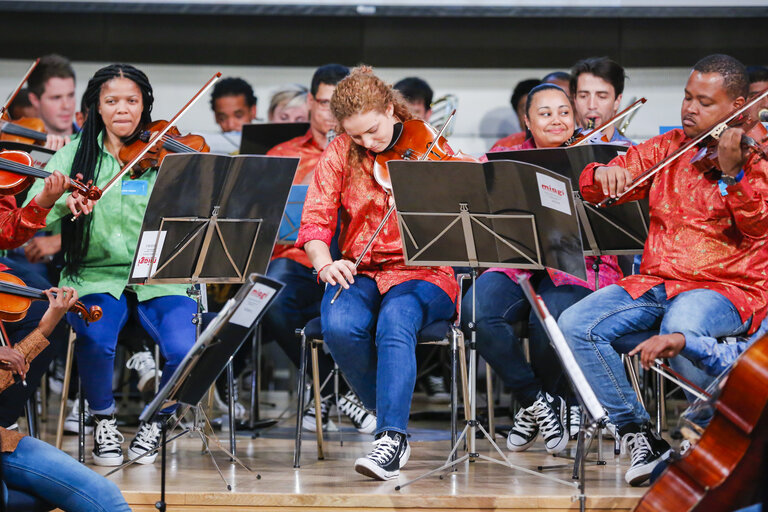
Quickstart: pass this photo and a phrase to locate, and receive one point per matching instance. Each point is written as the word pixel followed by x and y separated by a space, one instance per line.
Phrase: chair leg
pixel 661 405
pixel 81 423
pixel 44 399
pixel 633 379
pixel 300 398
pixel 464 379
pixel 31 413
pixel 489 395
pixel 318 402
pixel 454 387
pixel 65 389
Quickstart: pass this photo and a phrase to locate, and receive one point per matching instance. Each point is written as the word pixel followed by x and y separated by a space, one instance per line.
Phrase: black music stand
pixel 259 138
pixel 619 230
pixel 202 365
pixel 495 214
pixel 226 213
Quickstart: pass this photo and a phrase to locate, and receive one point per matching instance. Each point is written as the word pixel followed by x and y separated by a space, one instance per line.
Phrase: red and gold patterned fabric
pixel 18 225
pixel 510 140
pixel 698 237
pixel 336 188
pixel 609 271
pixel 305 148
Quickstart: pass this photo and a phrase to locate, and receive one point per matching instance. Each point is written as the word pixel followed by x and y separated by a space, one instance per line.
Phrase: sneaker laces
pixel 107 436
pixel 546 418
pixel 384 448
pixel 147 436
pixel 574 415
pixel 525 422
pixel 141 362
pixel 638 445
pixel 353 411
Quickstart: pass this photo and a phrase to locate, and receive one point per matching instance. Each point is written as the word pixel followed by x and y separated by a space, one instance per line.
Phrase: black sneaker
pixel 550 414
pixel 106 442
pixel 390 453
pixel 435 388
pixel 646 449
pixel 147 439
pixel 364 421
pixel 525 430
pixel 309 422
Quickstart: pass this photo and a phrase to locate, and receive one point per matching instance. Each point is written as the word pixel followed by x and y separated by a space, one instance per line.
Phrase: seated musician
pixel 371 328
pixel 17 226
pixel 538 386
pixel 299 302
pixel 99 250
pixel 289 105
pixel 52 93
pixel 37 468
pixel 596 87
pixel 517 100
pixel 418 94
pixel 233 104
pixel 703 270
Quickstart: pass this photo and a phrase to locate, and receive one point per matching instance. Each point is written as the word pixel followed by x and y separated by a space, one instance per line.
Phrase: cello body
pixel 722 472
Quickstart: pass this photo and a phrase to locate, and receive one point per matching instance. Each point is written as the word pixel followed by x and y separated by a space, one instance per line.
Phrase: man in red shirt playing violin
pixel 703 274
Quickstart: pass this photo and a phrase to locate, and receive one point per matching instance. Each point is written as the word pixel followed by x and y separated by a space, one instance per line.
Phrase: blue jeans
pixel 591 325
pixel 168 320
pixel 500 303
pixel 372 337
pixel 41 470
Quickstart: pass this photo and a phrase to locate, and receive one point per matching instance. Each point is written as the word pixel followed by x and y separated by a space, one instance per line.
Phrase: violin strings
pixel 11 166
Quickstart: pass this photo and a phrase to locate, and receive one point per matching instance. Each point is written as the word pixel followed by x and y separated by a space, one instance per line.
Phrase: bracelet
pixel 321 269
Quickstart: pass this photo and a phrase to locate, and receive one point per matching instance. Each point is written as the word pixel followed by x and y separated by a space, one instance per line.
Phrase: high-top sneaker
pixel 106 441
pixel 364 421
pixel 390 453
pixel 525 430
pixel 646 450
pixel 309 422
pixel 147 439
pixel 574 421
pixel 144 364
pixel 550 414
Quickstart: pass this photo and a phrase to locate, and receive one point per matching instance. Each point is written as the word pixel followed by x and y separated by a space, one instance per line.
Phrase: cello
pixel 721 471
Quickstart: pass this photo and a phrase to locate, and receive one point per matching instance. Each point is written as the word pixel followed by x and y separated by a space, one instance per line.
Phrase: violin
pixel 416 140
pixel 17 173
pixel 588 133
pixel 172 142
pixel 722 470
pixel 16 297
pixel 754 139
pixel 27 130
pixel 705 140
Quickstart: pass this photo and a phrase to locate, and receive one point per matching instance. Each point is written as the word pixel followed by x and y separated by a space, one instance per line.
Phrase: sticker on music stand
pixel 248 311
pixel 553 193
pixel 147 253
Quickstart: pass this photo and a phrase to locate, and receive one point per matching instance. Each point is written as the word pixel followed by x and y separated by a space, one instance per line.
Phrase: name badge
pixel 134 188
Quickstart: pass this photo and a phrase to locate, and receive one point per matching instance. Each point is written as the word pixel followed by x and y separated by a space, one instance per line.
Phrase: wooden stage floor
pixel 332 484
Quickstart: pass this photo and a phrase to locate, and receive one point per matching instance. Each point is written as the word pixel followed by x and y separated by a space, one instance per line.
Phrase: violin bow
pixel 392 208
pixel 615 119
pixel 715 131
pixel 18 87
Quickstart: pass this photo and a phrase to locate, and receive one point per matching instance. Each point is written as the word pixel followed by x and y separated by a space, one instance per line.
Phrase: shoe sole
pixel 134 455
pixel 107 461
pixel 147 382
pixel 366 467
pixel 73 431
pixel 515 448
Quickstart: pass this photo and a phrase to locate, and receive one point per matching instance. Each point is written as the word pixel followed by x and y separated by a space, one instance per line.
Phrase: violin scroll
pixel 92 314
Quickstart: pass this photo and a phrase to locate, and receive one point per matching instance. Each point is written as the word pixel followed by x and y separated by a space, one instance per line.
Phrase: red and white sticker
pixel 553 193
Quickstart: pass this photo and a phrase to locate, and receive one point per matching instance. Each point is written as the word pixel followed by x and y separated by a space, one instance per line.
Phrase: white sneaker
pixel 106 442
pixel 72 421
pixel 147 439
pixel 145 367
pixel 364 421
pixel 241 413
